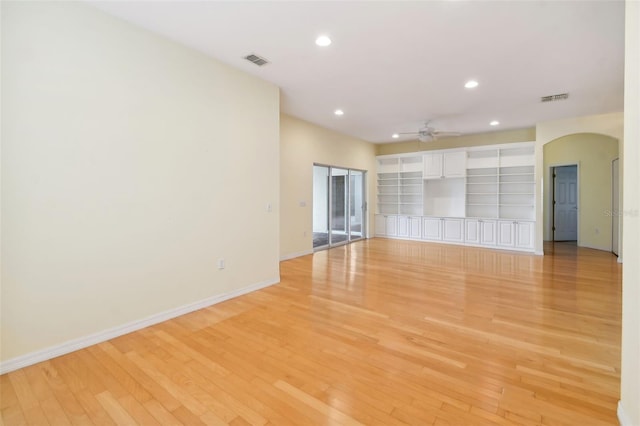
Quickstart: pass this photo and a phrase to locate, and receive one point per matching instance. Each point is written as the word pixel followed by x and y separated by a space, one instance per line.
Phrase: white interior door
pixel 615 208
pixel 565 203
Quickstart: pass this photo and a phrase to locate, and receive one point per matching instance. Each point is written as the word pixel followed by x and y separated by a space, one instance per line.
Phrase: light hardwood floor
pixel 378 332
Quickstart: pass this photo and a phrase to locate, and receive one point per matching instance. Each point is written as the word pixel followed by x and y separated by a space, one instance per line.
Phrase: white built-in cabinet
pixel 443 229
pixel 515 234
pixel 386 225
pixel 432 228
pixel 480 231
pixel 442 165
pixel 483 196
pixel 453 230
pixel 409 227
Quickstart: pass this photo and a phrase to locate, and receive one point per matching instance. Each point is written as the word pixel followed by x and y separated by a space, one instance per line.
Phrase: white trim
pixel 92 339
pixel 619 259
pixel 294 255
pixel 595 247
pixel 623 417
pixel 462 148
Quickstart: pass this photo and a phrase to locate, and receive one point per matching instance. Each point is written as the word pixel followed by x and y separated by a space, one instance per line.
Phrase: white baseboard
pixel 590 246
pixel 623 417
pixel 92 339
pixel 619 259
pixel 294 255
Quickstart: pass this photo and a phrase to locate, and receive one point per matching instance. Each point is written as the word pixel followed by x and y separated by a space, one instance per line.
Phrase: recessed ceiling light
pixel 338 112
pixel 494 123
pixel 395 136
pixel 323 41
pixel 471 84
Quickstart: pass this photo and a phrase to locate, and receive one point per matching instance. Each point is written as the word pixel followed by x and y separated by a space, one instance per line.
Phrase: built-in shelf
pixel 431 195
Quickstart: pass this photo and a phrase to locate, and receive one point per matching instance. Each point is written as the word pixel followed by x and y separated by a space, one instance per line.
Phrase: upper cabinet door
pixel 444 165
pixel 432 166
pixel 455 164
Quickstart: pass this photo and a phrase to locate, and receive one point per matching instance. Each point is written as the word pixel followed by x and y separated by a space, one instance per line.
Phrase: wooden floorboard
pixel 379 332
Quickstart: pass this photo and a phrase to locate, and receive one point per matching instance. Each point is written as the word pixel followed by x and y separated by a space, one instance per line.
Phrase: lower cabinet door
pixel 431 228
pixel 524 235
pixel 472 231
pixel 415 227
pixel 391 226
pixel 403 226
pixel 506 233
pixel 380 225
pixel 488 232
pixel 453 230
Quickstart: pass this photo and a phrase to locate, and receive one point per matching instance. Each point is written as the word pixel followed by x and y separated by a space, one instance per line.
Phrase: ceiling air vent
pixel 558 97
pixel 255 59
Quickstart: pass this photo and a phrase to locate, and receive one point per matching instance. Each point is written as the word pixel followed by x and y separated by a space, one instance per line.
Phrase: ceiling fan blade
pixel 446 134
pixel 408 133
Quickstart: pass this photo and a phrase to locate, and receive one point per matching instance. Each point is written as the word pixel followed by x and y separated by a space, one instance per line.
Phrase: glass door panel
pixel 339 206
pixel 320 207
pixel 356 204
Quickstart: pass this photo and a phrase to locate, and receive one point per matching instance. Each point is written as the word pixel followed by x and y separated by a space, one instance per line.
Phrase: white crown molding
pixel 92 339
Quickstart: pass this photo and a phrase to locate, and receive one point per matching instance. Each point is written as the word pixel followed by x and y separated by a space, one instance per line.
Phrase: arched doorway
pixel 592 155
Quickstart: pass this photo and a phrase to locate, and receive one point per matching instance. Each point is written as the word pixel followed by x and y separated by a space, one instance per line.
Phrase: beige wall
pixel 506 136
pixel 593 154
pixel 603 124
pixel 630 373
pixel 301 145
pixel 130 165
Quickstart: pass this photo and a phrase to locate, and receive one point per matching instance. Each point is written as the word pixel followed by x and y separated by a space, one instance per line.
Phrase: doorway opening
pixel 564 222
pixel 339 206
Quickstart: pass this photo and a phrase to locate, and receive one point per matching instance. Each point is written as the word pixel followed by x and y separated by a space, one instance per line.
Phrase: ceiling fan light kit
pixel 429 133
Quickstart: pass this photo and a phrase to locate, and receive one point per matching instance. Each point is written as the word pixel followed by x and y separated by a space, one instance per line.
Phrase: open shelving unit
pixel 500 183
pixel 516 192
pixel 482 196
pixel 410 186
pixel 517 183
pixel 388 186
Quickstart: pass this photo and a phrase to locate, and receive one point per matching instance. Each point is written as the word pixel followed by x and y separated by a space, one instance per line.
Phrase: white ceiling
pixel 394 64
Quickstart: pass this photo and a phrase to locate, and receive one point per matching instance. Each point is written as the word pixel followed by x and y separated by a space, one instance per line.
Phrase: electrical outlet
pixel 597 231
pixel 221 263
pixel 304 234
pixel 269 207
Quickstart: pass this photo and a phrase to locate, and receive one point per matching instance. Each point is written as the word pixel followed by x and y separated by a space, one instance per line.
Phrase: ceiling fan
pixel 429 133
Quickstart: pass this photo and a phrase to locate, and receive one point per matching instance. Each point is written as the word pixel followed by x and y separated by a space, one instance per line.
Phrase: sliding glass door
pixel 320 206
pixel 338 206
pixel 357 205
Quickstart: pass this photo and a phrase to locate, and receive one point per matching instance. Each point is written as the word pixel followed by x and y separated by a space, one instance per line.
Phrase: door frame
pixel 347 206
pixel 365 207
pixel 615 210
pixel 551 196
pixel 363 226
